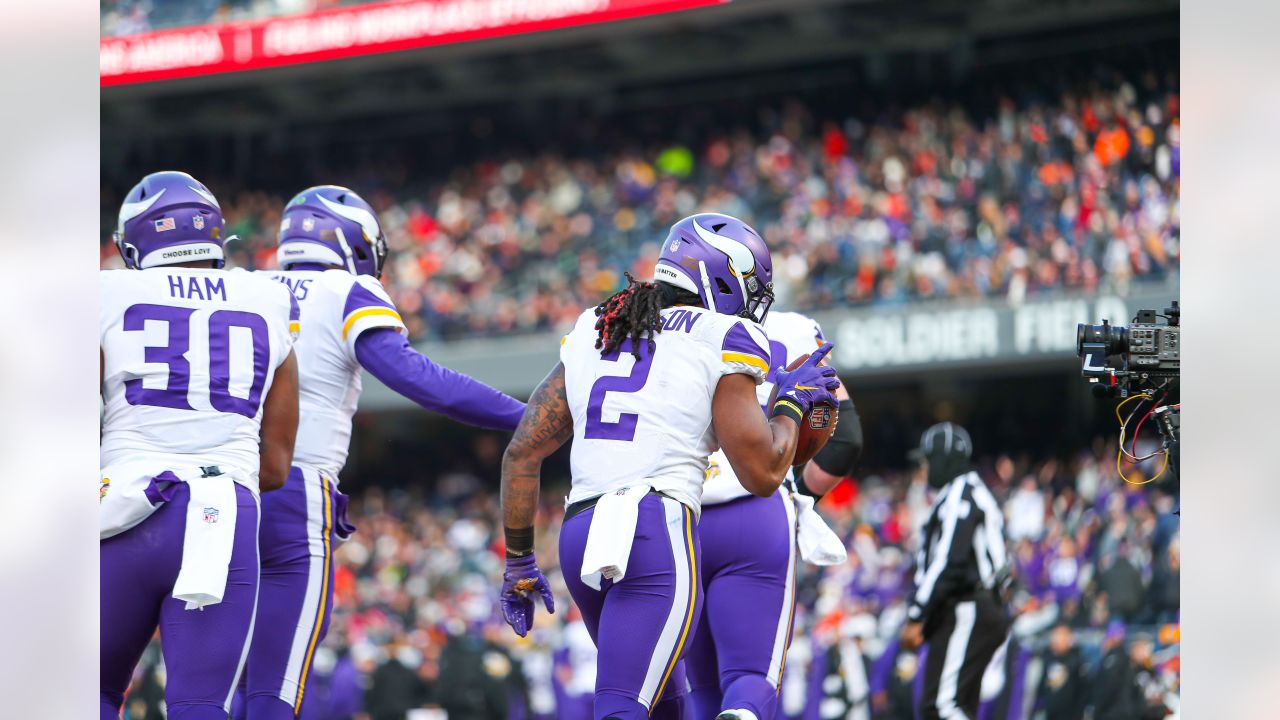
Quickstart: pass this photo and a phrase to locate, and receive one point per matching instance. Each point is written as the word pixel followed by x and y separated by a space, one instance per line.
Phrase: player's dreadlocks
pixel 636 310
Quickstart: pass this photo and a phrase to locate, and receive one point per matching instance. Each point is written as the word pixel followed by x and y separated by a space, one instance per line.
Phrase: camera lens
pixel 1114 338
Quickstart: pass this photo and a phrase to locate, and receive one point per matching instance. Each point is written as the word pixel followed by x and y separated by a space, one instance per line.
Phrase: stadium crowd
pixel 932 202
pixel 129 17
pixel 416 623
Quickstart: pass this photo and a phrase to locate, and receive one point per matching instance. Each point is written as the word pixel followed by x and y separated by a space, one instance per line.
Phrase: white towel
pixel 208 542
pixel 122 496
pixel 613 529
pixel 818 543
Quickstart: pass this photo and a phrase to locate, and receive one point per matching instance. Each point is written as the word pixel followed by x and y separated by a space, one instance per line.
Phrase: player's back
pixel 790 336
pixel 651 419
pixel 338 307
pixel 189 356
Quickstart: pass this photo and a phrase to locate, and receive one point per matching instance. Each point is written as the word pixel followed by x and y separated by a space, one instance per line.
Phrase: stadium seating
pixel 935 202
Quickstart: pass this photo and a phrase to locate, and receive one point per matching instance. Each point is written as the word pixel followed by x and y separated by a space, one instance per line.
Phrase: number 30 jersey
pixel 649 420
pixel 189 356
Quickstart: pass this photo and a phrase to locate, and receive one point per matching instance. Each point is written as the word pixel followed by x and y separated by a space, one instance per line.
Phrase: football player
pixel 200 387
pixel 332 252
pixel 648 385
pixel 736 674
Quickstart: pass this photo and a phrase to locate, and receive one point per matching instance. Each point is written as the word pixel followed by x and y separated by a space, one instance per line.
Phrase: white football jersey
pixel 189 356
pixel 790 336
pixel 650 419
pixel 338 307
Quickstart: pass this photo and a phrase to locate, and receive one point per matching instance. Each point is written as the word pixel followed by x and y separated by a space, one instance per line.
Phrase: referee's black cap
pixel 944 438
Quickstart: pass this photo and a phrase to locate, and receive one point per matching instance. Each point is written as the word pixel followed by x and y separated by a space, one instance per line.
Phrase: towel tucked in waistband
pixel 613 529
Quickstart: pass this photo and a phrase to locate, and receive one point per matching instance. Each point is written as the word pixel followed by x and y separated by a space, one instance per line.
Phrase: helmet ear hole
pixel 723 287
pixel 360 253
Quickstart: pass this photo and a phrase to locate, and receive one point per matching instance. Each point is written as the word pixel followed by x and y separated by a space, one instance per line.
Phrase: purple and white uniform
pixel 189 356
pixel 642 436
pixel 304 520
pixel 749 553
pixel 351 322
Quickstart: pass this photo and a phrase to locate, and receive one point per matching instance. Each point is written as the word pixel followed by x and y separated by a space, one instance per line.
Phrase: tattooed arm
pixel 544 427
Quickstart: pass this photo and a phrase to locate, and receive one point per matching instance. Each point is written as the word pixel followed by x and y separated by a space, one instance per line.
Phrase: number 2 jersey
pixel 338 307
pixel 790 336
pixel 189 356
pixel 650 419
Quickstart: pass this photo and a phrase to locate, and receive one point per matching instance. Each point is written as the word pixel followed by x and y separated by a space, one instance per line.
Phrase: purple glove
pixel 809 384
pixel 520 580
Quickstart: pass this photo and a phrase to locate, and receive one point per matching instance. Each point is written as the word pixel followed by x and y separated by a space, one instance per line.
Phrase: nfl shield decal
pixel 197 222
pixel 211 515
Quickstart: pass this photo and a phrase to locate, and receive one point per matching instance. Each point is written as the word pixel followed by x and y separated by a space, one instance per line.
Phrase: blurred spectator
pixel 1025 512
pixel 1148 688
pixel 396 687
pixel 1113 682
pixel 474 676
pixel 1121 582
pixel 1063 678
pixel 1164 597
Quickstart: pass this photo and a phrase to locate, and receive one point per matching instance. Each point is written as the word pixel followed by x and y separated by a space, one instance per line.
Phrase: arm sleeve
pixel 387 355
pixel 839 456
pixel 367 307
pixel 745 350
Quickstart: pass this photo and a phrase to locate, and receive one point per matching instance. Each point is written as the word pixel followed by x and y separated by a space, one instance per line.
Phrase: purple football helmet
pixel 331 225
pixel 169 218
pixel 723 261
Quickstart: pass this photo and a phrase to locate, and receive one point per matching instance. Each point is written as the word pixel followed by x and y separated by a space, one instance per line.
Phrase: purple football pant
pixel 642 625
pixel 301 525
pixel 748 572
pixel 204 650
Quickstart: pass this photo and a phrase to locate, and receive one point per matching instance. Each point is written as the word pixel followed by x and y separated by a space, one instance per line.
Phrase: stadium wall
pixel 871 343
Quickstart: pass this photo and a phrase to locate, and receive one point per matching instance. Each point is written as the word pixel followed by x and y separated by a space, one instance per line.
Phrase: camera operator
pixel 960 569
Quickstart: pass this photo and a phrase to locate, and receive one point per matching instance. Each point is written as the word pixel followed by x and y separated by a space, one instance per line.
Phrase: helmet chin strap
pixel 346 250
pixel 706 287
pixel 128 252
pixel 742 286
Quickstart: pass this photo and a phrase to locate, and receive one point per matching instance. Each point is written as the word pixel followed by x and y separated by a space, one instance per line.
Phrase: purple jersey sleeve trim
pixel 387 355
pixel 361 297
pixel 738 340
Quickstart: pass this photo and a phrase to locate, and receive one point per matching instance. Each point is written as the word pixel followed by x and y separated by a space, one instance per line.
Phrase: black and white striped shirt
pixel 963 545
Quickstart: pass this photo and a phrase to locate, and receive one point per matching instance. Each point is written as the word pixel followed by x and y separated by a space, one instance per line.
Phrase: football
pixel 816 427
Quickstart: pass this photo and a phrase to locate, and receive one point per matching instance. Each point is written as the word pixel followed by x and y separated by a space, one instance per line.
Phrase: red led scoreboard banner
pixel 347 32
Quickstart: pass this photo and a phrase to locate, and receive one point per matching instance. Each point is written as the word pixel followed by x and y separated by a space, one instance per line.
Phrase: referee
pixel 959 570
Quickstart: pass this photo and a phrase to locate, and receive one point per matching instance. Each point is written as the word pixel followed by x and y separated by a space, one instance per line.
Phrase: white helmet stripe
pixel 129 211
pixel 741 261
pixel 206 195
pixel 363 217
